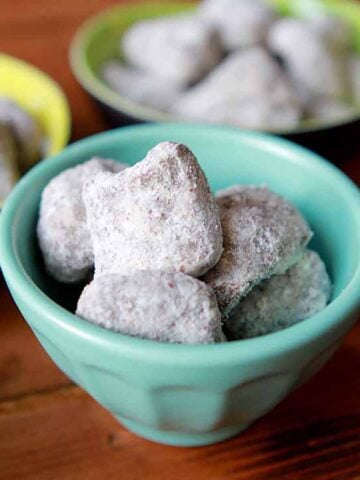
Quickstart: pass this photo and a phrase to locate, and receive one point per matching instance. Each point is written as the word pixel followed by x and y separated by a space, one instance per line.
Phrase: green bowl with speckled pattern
pixel 191 394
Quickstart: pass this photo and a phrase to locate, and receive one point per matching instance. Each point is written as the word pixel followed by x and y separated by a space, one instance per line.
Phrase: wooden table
pixel 51 429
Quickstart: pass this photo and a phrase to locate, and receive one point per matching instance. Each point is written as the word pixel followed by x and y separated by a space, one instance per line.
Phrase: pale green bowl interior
pixel 98 40
pixel 326 197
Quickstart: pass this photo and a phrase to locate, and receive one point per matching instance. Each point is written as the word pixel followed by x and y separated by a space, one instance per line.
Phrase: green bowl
pixel 97 40
pixel 191 394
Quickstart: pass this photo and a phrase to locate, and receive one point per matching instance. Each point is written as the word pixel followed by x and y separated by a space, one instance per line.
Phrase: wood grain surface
pixel 51 429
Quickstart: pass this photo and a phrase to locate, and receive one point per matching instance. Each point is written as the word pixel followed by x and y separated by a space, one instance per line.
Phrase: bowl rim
pixel 98 89
pixel 267 346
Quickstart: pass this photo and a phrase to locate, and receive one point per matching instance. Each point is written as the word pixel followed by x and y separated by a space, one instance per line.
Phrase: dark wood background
pixel 51 429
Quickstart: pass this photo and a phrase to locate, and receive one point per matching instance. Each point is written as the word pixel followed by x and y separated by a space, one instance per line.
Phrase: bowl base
pixel 182 439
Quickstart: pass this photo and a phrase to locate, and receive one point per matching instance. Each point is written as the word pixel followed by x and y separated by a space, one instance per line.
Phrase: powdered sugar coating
pixel 263 235
pixel 282 300
pixel 315 69
pixel 158 214
pixel 248 89
pixel 354 73
pixel 240 23
pixel 140 87
pixel 181 49
pixel 330 109
pixel 167 307
pixel 62 230
pixel 336 32
pixel 25 129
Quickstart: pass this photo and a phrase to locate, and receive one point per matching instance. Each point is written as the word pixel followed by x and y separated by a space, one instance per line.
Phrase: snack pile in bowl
pixel 237 62
pixel 162 258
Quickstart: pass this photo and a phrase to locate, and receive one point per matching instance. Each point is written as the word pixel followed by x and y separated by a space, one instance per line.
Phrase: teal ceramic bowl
pixel 191 394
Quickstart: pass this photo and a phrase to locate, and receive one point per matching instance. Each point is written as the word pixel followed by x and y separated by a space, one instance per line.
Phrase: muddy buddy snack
pixel 157 215
pixel 240 23
pixel 282 300
pixel 330 109
pixel 62 231
pixel 236 62
pixel 263 235
pixel 163 306
pixel 150 229
pixel 180 49
pixel 24 128
pixel 149 90
pixel 335 32
pixel 247 89
pixel 354 68
pixel 313 68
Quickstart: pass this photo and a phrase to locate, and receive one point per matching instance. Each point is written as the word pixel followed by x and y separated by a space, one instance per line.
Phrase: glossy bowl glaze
pixel 191 394
pixel 97 40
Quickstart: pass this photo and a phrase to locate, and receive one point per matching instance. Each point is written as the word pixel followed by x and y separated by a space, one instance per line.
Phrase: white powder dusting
pixel 263 235
pixel 168 307
pixel 62 231
pixel 158 214
pixel 282 300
